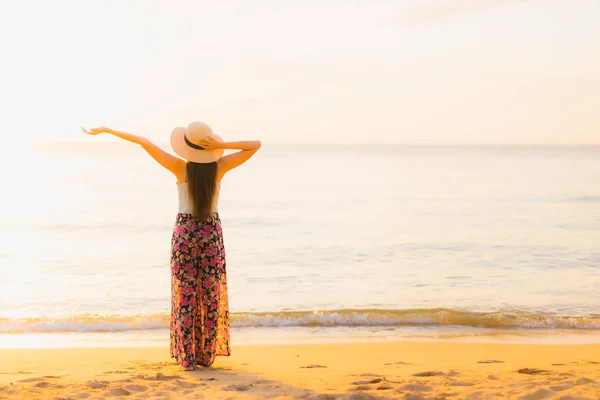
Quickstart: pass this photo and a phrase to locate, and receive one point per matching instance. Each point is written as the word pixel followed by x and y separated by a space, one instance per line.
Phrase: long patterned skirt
pixel 199 302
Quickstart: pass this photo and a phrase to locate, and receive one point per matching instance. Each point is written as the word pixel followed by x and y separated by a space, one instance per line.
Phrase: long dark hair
pixel 202 183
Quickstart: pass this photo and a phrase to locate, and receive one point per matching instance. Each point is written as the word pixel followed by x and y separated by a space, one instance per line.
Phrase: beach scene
pixel 422 220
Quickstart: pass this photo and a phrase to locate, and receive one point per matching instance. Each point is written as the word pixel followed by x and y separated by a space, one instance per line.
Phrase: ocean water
pixel 322 241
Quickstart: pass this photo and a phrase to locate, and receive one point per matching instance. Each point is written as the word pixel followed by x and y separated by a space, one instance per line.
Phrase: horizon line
pixel 354 144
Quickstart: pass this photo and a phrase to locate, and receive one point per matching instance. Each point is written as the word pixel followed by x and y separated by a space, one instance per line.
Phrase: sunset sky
pixel 305 71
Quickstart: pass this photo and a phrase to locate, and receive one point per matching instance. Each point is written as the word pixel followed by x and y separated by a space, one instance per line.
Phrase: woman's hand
pixel 95 131
pixel 209 143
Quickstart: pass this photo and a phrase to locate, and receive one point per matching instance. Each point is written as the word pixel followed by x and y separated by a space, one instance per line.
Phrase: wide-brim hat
pixel 186 143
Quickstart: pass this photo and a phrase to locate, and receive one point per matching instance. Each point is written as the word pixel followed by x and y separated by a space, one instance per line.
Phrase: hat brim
pixel 190 154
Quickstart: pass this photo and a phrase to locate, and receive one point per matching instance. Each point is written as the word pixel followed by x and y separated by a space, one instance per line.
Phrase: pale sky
pixel 304 71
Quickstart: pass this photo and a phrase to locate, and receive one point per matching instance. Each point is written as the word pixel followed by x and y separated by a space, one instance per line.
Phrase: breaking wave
pixel 332 318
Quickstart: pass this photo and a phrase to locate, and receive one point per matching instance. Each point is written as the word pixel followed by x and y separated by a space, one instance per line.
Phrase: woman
pixel 199 303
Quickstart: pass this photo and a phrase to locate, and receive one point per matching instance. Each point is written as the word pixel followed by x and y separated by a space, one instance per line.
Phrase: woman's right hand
pixel 95 131
pixel 210 143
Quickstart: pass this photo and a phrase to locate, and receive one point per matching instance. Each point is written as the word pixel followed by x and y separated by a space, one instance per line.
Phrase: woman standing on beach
pixel 199 303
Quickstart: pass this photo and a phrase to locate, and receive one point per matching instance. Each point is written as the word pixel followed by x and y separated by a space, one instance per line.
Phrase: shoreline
pixel 267 336
pixel 411 369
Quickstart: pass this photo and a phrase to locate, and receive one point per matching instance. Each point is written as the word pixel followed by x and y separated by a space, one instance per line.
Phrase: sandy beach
pixel 400 370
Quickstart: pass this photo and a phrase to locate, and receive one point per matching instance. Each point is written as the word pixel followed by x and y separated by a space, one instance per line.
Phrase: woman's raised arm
pixel 246 150
pixel 168 161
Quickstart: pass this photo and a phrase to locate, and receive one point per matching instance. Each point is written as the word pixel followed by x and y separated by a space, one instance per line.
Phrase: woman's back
pixel 185 202
pixel 199 189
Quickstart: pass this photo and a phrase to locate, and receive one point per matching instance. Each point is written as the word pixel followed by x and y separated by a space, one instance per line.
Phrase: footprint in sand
pixel 136 388
pixel 43 385
pixel 97 384
pixel 160 377
pixel 532 371
pixel 360 388
pixel 352 396
pixel 119 391
pixel 263 382
pixel 429 373
pixel 29 380
pixel 566 374
pixel 413 396
pixel 459 383
pixel 558 378
pixel 368 381
pixel 539 394
pixel 415 387
pixel 237 388
pixel 572 363
pixel 385 386
pixel 584 381
pixel 185 385
pixel 560 388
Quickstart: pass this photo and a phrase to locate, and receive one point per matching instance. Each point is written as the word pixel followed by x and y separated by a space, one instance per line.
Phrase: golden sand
pixel 401 370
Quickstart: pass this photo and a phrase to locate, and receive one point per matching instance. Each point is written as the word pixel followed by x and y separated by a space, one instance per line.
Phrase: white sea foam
pixel 335 318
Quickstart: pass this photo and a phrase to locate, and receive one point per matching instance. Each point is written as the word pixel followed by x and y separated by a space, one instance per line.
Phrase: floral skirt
pixel 199 302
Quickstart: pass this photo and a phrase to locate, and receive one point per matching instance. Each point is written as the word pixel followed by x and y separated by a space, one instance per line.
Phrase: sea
pixel 325 243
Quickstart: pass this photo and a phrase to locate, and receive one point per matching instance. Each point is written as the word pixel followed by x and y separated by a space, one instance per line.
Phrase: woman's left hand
pixel 209 143
pixel 95 131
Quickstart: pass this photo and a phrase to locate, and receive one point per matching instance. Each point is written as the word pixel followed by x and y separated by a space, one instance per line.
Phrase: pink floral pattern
pixel 199 302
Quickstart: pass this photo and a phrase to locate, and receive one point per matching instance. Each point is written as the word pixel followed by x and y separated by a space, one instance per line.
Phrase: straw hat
pixel 186 143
